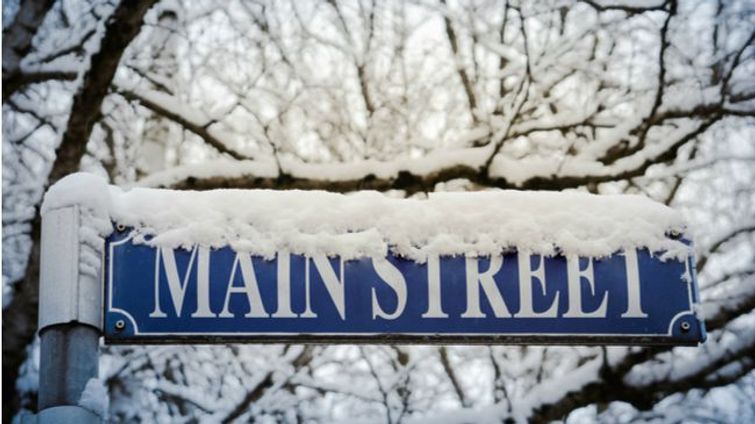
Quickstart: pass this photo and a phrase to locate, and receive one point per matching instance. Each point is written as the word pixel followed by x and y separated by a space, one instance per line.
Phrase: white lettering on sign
pixel 527 278
pixel 334 284
pixel 634 309
pixel 176 287
pixel 532 277
pixel 434 306
pixel 475 279
pixel 250 288
pixel 575 275
pixel 392 276
pixel 284 287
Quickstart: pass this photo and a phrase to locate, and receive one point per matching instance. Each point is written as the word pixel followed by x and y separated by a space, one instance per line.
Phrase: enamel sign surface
pixel 158 295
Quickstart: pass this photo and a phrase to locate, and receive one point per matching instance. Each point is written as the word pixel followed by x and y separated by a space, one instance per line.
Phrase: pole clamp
pixel 70 288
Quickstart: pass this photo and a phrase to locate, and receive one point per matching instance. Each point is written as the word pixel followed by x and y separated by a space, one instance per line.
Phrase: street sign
pixel 204 295
pixel 319 267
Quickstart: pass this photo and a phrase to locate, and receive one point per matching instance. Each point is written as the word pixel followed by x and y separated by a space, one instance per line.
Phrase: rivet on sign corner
pixel 120 325
pixel 120 227
pixel 685 326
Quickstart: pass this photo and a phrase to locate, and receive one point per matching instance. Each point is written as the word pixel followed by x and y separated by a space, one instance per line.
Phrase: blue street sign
pixel 160 295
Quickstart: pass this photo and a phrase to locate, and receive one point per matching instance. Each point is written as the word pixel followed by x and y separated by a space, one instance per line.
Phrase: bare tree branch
pixel 642 131
pixel 175 116
pixel 17 38
pixel 265 384
pixel 722 240
pixel 628 8
pixel 612 386
pixel 466 81
pixel 451 373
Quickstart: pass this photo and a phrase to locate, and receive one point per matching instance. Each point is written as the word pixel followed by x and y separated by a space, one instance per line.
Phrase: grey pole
pixel 70 319
pixel 68 360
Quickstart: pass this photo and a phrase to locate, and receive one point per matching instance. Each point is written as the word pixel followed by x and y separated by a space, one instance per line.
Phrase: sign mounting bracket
pixel 70 317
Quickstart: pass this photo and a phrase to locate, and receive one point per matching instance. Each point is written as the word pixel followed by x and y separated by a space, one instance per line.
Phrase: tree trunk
pixel 18 332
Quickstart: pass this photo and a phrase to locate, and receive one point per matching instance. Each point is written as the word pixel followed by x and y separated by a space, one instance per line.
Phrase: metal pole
pixel 69 319
pixel 68 360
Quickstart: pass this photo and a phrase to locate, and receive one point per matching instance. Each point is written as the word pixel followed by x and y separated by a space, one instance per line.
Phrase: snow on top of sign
pixel 89 192
pixel 91 195
pixel 369 223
